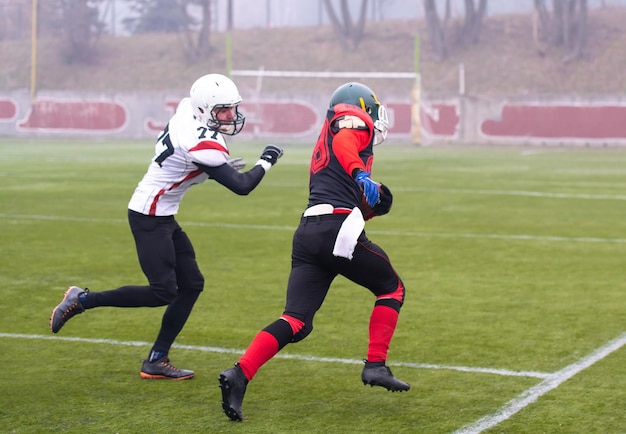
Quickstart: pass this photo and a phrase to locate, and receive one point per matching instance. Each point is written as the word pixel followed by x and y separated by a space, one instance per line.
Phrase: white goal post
pixel 414 93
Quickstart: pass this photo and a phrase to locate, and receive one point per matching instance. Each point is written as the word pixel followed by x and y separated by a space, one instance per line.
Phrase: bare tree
pixel 468 32
pixel 474 16
pixel 349 34
pixel 177 16
pixel 77 23
pixel 436 33
pixel 230 21
pixel 202 47
pixel 566 26
pixel 15 19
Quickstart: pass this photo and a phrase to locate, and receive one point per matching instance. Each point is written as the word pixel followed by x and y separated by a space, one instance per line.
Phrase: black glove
pixel 271 154
pixel 386 200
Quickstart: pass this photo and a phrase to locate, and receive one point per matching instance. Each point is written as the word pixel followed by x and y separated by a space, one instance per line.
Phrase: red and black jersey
pixel 345 144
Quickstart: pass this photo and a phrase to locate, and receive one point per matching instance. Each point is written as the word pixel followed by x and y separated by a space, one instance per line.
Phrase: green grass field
pixel 514 321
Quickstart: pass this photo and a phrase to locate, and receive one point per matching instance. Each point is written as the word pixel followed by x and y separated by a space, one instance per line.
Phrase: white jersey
pixel 172 172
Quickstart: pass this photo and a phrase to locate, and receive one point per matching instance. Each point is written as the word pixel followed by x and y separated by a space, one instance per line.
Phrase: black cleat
pixel 378 374
pixel 162 369
pixel 233 383
pixel 69 306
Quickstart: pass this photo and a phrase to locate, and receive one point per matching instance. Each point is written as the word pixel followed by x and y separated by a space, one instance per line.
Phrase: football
pixel 366 209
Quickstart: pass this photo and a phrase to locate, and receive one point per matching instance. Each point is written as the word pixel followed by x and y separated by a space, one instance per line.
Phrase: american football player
pixel 189 150
pixel 331 241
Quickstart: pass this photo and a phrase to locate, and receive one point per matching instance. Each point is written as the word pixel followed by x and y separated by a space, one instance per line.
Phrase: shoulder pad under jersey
pixel 350 122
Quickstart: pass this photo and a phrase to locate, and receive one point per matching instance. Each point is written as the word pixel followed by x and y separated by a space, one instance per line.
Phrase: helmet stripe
pixel 375 99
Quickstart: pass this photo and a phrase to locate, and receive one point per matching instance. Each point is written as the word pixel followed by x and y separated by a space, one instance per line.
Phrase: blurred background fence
pixel 503 72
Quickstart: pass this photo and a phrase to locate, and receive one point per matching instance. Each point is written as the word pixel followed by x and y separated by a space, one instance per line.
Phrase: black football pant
pixel 168 260
pixel 314 267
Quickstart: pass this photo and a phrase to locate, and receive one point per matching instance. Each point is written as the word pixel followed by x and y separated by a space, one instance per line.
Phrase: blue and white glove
pixel 369 187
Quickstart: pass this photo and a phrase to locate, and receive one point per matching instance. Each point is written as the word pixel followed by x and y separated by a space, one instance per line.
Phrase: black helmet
pixel 360 95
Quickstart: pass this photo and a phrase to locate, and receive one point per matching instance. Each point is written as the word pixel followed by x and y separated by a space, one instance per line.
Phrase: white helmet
pixel 213 91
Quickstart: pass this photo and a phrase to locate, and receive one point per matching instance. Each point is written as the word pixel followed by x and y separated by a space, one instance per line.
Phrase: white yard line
pixel 540 194
pixel 504 372
pixel 552 382
pixel 549 383
pixel 519 237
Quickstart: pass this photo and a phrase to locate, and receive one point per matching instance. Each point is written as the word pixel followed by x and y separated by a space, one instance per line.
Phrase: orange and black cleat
pixel 162 369
pixel 69 306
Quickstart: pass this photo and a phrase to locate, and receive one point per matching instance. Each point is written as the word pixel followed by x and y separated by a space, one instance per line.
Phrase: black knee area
pixel 190 282
pixel 303 333
pixel 167 291
pixel 389 302
pixel 281 330
pixel 165 294
pixel 196 286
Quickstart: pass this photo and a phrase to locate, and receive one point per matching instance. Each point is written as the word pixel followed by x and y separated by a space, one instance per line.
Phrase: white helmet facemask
pixel 381 125
pixel 213 91
pixel 230 127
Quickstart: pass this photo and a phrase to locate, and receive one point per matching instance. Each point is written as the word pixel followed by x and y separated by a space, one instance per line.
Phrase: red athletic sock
pixel 263 347
pixel 382 326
